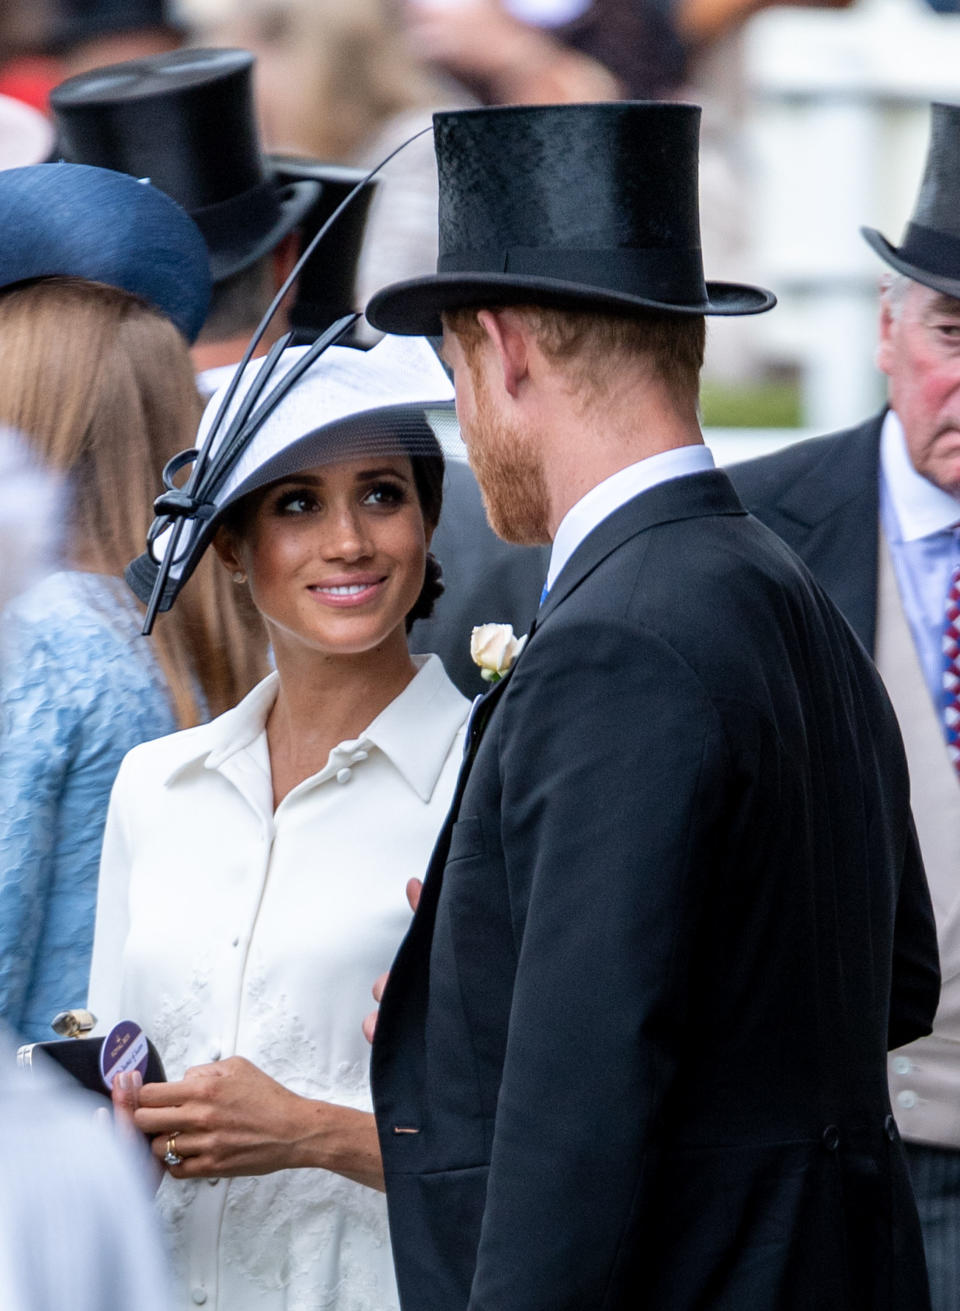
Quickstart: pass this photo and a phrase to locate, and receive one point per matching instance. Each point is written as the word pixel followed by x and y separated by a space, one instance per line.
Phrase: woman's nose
pixel 347 538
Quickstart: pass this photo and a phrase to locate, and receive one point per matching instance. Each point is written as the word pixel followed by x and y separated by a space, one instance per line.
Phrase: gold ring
pixel 171 1157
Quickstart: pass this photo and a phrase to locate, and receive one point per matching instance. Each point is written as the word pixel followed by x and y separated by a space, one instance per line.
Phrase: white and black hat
pixel 296 407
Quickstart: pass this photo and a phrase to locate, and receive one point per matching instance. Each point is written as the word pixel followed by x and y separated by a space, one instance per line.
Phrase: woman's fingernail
pixel 136 1079
pixel 123 1082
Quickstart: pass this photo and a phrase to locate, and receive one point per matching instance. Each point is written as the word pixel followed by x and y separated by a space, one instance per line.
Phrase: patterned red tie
pixel 951 669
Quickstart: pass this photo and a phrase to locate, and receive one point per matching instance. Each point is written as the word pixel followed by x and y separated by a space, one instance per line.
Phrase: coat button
pixel 890 1128
pixel 344 775
pixel 907 1099
pixel 213 1182
pixel 901 1065
pixel 198 1295
pixel 831 1138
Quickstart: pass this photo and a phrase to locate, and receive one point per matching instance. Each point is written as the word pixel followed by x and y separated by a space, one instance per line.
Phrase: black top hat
pixel 567 205
pixel 185 120
pixel 326 285
pixel 930 250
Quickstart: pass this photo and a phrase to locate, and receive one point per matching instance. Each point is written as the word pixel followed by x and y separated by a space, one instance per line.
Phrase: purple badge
pixel 124 1049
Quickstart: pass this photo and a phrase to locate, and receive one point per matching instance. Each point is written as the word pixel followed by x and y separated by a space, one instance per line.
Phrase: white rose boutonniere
pixel 494 647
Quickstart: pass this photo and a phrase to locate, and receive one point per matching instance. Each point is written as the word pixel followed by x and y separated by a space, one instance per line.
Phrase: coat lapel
pixel 827 511
pixel 689 497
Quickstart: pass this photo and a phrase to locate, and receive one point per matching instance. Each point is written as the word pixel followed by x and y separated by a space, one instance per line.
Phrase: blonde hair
pixel 591 346
pixel 101 386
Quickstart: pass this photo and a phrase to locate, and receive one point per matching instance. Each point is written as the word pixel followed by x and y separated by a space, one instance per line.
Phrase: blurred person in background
pixel 103 280
pixel 875 513
pixel 283 835
pixel 44 41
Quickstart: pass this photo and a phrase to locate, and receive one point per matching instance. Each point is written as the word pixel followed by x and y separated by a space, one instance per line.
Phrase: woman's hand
pixel 230 1119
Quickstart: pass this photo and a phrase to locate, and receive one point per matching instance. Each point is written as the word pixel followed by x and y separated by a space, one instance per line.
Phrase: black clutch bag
pixel 80 1057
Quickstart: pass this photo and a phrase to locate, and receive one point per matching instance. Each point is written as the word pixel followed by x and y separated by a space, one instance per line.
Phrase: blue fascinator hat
pixel 72 220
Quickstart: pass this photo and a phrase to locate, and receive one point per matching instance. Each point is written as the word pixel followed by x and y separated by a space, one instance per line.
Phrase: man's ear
pixel 885 347
pixel 509 337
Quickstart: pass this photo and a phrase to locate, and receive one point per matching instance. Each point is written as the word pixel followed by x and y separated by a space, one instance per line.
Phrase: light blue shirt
pixel 79 687
pixel 601 501
pixel 917 517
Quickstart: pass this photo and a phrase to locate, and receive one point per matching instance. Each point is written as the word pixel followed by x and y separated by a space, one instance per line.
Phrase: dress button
pixel 358 756
pixel 344 775
pixel 907 1099
pixel 235 942
pixel 831 1138
pixel 213 1182
pixel 890 1128
pixel 198 1295
pixel 215 1054
pixel 901 1065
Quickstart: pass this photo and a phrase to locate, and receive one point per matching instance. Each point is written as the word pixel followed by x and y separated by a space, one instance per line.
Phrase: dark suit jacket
pixel 485 580
pixel 632 1050
pixel 823 498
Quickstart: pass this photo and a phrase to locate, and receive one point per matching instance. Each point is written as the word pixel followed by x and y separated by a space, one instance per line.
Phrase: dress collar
pixel 415 731
pixel 920 508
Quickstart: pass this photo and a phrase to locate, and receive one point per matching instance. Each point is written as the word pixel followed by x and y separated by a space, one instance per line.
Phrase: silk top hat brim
pixel 930 250
pixel 577 206
pixel 924 256
pixel 186 121
pixel 70 220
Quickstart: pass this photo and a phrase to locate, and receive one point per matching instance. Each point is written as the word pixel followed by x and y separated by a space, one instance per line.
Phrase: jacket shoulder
pixel 766 479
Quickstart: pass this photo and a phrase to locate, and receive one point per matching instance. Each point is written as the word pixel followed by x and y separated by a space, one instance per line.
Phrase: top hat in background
pixel 185 120
pixel 72 22
pixel 577 206
pixel 930 250
pixel 327 282
pixel 70 220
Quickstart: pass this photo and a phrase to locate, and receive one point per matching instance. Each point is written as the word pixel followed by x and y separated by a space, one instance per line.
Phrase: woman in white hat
pixel 253 874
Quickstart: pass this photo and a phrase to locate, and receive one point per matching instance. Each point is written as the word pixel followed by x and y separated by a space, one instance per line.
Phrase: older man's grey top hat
pixel 569 205
pixel 71 220
pixel 930 249
pixel 186 121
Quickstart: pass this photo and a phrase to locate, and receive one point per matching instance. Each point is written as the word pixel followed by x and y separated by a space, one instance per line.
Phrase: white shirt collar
pixel 415 731
pixel 601 501
pixel 920 508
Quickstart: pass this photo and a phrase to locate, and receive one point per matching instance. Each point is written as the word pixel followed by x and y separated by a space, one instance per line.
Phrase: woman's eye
pixel 949 331
pixel 385 494
pixel 295 503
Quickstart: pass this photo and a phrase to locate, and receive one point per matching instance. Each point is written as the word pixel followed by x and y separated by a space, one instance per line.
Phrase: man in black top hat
pixel 874 511
pixel 632 1050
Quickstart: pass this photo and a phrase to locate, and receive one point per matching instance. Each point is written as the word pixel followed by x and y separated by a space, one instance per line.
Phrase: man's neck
pixel 585 455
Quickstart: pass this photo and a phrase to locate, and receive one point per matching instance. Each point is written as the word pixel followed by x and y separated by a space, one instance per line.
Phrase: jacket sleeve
pixel 605 843
pixel 40 725
pixel 915 989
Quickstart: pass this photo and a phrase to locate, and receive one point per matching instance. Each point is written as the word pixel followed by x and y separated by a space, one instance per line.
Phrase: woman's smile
pixel 343 593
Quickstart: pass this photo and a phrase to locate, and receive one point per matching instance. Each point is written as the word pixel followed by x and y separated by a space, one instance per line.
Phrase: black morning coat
pixel 632 1049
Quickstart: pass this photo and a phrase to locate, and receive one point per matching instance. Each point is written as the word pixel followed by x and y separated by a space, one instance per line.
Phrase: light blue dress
pixel 79 687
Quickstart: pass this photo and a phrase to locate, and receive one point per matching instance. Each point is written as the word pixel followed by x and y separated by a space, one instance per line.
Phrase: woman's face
pixel 335 555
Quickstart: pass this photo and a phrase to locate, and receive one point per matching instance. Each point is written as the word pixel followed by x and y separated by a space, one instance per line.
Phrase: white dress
pixel 226 928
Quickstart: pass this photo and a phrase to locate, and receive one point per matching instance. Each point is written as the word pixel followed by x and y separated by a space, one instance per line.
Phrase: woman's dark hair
pixel 428 473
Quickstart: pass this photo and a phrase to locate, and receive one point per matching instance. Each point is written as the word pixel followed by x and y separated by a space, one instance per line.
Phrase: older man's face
pixel 919 352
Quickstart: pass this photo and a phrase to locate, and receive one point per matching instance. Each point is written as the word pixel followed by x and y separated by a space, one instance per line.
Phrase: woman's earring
pixel 239 576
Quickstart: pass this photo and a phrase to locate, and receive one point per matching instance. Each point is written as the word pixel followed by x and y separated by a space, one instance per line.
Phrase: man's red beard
pixel 510 472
